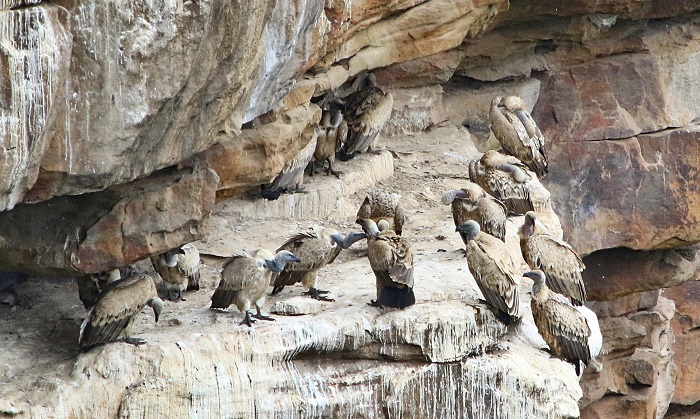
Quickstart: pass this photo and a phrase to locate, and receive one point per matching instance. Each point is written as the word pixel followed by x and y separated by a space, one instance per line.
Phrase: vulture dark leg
pixel 247 320
pixel 374 303
pixel 330 169
pixel 179 295
pixel 316 294
pixel 134 341
pixel 259 315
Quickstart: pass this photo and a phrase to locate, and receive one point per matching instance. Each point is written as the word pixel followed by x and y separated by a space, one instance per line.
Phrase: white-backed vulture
pixel 379 205
pixel 112 313
pixel 179 269
pixel 510 181
pixel 572 333
pixel 494 271
pixel 391 258
pixel 560 263
pixel 473 203
pixel 315 248
pixel 291 177
pixel 366 111
pixel 518 133
pixel 90 286
pixel 245 279
pixel 330 130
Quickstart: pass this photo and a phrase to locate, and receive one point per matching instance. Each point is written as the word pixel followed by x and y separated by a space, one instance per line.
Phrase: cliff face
pixel 123 124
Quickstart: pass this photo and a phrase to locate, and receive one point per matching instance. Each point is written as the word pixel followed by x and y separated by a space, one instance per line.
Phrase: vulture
pixel 560 263
pixel 572 333
pixel 509 180
pixel 331 131
pixel 179 268
pixel 518 133
pixel 366 112
pixel 391 259
pixel 111 315
pixel 292 175
pixel 473 203
pixel 245 279
pixel 379 205
pixel 315 248
pixel 494 271
pixel 89 286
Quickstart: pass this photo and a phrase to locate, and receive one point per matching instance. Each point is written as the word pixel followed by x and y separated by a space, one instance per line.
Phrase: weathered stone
pixel 620 334
pixel 298 306
pixel 415 110
pixel 686 350
pixel 614 273
pixel 626 304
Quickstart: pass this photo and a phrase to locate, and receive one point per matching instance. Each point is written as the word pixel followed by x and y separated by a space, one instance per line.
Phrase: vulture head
pixel 512 103
pixel 157 305
pixel 349 240
pixel 470 228
pixel 281 259
pixel 538 279
pixel 383 225
pixel 368 226
pixel 170 257
pixel 528 227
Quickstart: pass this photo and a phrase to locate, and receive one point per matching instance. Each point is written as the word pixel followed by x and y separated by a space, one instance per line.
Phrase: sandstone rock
pixel 415 110
pixel 626 304
pixel 686 348
pixel 621 334
pixel 614 273
pixel 298 306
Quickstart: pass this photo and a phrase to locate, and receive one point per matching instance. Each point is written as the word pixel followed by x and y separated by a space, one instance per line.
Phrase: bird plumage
pixel 366 112
pixel 568 330
pixel 330 129
pixel 379 205
pixel 291 176
pixel 179 269
pixel 112 313
pixel 473 203
pixel 510 181
pixel 494 270
pixel 518 133
pixel 561 265
pixel 245 278
pixel 391 258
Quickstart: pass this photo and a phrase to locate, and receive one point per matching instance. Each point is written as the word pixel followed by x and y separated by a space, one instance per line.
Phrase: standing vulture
pixel 391 259
pixel 473 203
pixel 494 271
pixel 179 268
pixel 518 133
pixel 90 286
pixel 331 131
pixel 560 263
pixel 379 205
pixel 112 314
pixel 291 177
pixel 245 279
pixel 366 110
pixel 572 333
pixel 315 248
pixel 507 179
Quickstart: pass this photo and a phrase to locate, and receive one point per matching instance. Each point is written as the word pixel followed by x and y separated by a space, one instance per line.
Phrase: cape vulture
pixel 572 333
pixel 366 111
pixel 315 248
pixel 473 203
pixel 379 205
pixel 245 279
pixel 179 268
pixel 494 270
pixel 90 286
pixel 518 133
pixel 560 263
pixel 509 180
pixel 291 177
pixel 391 259
pixel 332 131
pixel 112 314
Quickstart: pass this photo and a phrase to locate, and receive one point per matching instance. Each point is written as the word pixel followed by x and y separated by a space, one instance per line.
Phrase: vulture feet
pixel 134 341
pixel 318 294
pixel 260 316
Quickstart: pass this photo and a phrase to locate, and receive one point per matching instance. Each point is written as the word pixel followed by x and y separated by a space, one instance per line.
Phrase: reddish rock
pixel 626 304
pixel 687 347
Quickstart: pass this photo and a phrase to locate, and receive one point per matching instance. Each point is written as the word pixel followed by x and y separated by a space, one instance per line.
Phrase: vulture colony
pixel 501 184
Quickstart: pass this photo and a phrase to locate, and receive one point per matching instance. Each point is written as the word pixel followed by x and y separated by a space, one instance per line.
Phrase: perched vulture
pixel 572 333
pixel 379 205
pixel 509 180
pixel 494 271
pixel 473 203
pixel 560 263
pixel 245 279
pixel 291 177
pixel 366 111
pixel 90 286
pixel 518 133
pixel 179 268
pixel 391 259
pixel 112 313
pixel 315 248
pixel 331 131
